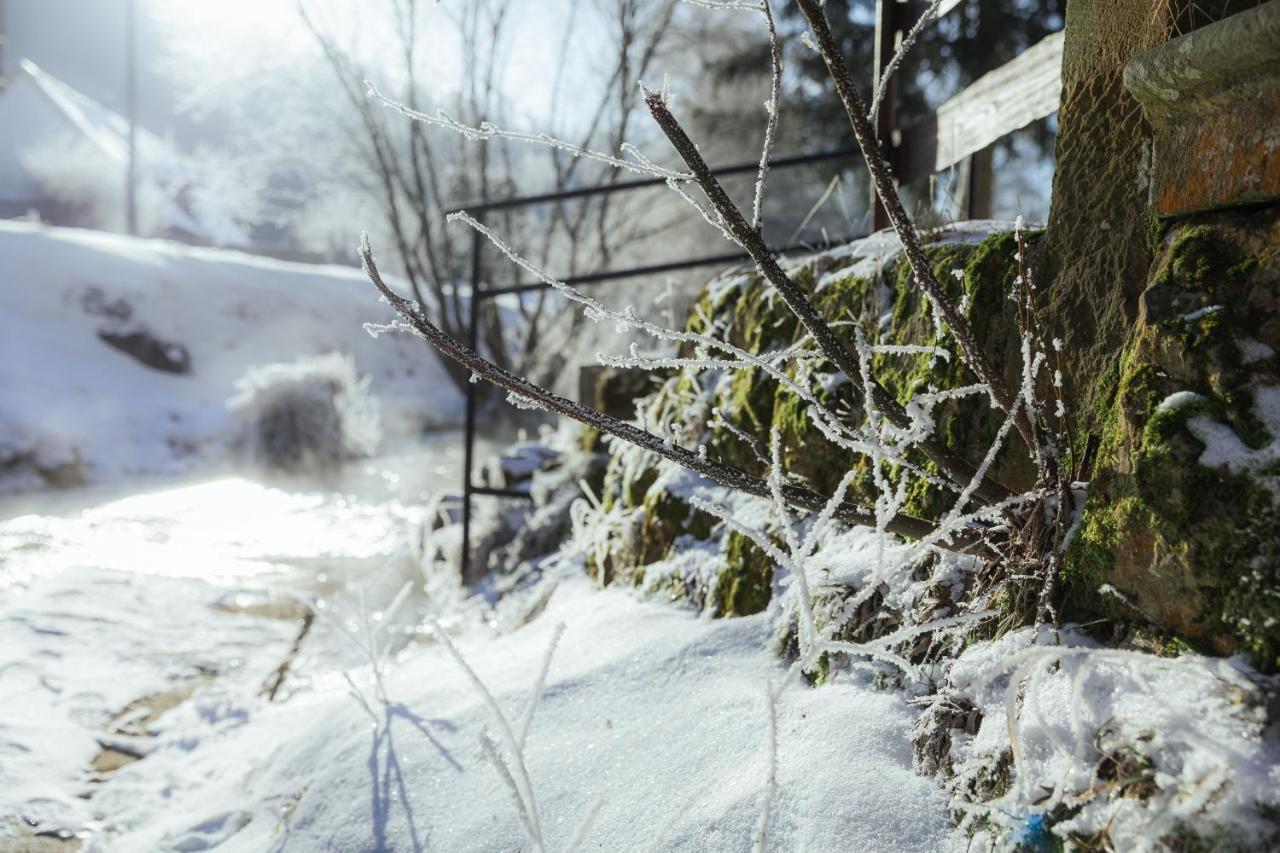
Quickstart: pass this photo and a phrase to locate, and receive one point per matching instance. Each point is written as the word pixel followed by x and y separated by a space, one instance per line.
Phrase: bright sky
pixel 242 39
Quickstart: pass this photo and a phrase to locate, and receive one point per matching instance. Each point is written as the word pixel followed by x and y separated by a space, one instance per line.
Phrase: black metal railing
pixel 479 292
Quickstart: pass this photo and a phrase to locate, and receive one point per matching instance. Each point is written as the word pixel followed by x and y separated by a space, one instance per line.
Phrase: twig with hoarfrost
pixel 725 475
pixel 751 241
pixel 771 107
pixel 732 5
pixel 515 775
pixel 584 828
pixel 485 131
pixel 504 773
pixel 882 180
pixel 908 42
pixel 369 637
pixel 519 781
pixel 826 419
pixel 527 720
pixel 760 842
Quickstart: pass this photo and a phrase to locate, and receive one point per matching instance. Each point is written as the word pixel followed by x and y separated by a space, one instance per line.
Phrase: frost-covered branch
pixel 827 420
pixel 891 68
pixel 771 107
pixel 486 130
pixel 725 475
pixel 753 243
pixel 882 180
pixel 760 843
pixel 519 783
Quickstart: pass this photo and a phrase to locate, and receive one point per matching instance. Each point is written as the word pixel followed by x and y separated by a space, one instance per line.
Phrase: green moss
pixel 806 451
pixel 845 299
pixel 748 403
pixel 666 517
pixel 1155 229
pixel 745 584
pixel 1194 547
pixel 760 319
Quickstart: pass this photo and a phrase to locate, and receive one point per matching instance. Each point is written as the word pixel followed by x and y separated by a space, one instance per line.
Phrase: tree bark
pixel 1097 252
pixel 1095 255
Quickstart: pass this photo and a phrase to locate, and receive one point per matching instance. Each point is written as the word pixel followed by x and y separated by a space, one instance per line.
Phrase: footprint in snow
pixel 212 831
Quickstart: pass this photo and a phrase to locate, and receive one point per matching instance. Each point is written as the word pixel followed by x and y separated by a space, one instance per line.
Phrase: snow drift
pixel 118 355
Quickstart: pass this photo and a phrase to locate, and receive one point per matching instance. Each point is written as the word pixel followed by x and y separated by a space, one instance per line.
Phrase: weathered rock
pixel 1181 530
pixel 1212 98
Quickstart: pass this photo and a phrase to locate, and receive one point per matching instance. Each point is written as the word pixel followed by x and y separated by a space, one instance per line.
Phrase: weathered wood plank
pixel 1017 93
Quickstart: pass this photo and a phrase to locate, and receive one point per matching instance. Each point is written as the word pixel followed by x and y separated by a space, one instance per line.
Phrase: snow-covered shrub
pixel 1104 749
pixel 309 414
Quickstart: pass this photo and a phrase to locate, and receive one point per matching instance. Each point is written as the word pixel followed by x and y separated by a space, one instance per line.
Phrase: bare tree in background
pixel 416 172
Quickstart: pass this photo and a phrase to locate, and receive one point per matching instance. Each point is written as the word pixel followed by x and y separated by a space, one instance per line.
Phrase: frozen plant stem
pixel 882 179
pixel 908 42
pixel 761 842
pixel 519 782
pixel 771 107
pixel 957 469
pixel 725 475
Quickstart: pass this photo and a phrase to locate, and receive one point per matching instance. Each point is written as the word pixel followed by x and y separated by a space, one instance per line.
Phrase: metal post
pixel 468 453
pixel 888 24
pixel 131 107
pixel 3 43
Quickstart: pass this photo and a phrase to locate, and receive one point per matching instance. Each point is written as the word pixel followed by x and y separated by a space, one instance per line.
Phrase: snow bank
pixel 1119 746
pixel 74 407
pixel 657 713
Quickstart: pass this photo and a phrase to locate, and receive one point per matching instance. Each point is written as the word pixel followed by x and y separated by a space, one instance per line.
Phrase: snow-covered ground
pixel 652 715
pixel 73 407
pixel 163 688
pixel 154 627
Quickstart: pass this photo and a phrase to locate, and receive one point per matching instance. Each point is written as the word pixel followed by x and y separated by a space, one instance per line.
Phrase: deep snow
pixel 65 395
pixel 655 711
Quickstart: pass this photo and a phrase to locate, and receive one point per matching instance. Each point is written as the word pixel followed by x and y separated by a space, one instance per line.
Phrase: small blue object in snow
pixel 1035 837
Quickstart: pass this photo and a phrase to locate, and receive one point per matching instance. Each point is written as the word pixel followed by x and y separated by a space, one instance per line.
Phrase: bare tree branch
pixel 957 469
pixel 719 472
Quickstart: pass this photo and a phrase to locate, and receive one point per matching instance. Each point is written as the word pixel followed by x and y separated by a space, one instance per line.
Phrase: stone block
pixel 1212 98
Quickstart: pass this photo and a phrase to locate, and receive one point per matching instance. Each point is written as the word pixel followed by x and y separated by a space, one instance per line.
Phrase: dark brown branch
pixel 957 469
pixel 719 472
pixel 882 179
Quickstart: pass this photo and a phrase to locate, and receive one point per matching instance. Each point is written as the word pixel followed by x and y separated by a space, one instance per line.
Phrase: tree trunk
pixel 1097 252
pixel 1095 255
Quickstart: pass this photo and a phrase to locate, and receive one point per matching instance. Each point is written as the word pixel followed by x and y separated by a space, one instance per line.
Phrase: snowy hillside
pixel 74 407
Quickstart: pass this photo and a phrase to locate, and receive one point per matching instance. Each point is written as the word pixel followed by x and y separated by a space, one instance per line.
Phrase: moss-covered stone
pixel 745 585
pixel 1188 552
pixel 1167 540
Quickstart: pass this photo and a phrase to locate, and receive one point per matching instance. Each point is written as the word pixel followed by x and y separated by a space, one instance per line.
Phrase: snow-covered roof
pixel 58 105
